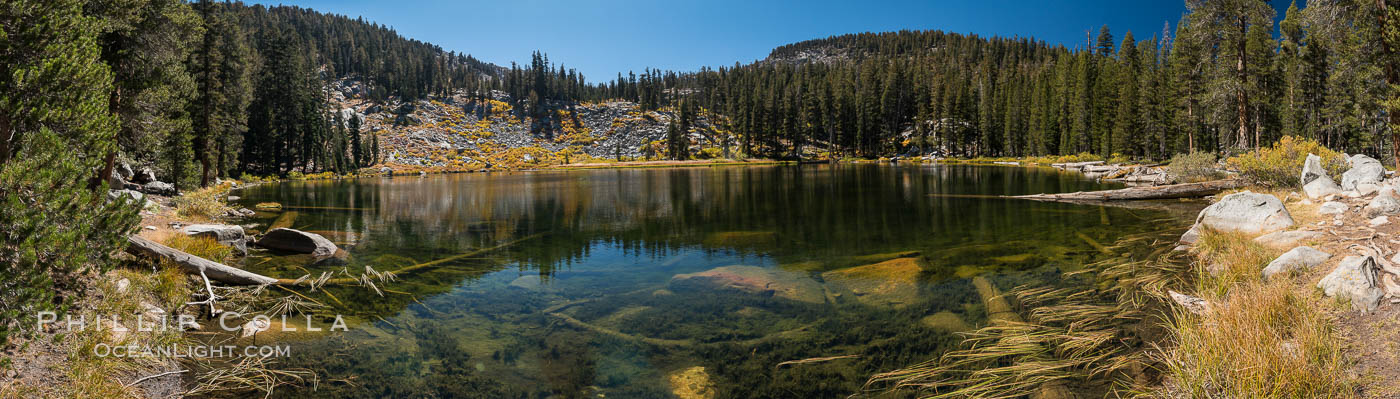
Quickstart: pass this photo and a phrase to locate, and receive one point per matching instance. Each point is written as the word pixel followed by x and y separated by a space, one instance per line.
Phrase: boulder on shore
pixel 1363 170
pixel 1288 239
pixel 752 280
pixel 225 234
pixel 1320 187
pixel 1355 279
pixel 1332 208
pixel 1246 212
pixel 1382 205
pixel 1300 258
pixel 293 240
pixel 1312 170
pixel 159 188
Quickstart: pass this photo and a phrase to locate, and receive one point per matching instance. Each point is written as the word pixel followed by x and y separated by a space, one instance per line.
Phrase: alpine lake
pixel 695 282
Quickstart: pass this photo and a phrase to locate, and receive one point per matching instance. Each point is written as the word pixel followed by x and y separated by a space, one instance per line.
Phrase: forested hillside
pixel 205 89
pixel 1225 78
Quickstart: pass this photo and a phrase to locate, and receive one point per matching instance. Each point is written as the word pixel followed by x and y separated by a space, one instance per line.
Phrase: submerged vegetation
pixel 1092 335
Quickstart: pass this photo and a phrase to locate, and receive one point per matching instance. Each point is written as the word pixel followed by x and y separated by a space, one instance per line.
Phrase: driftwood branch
pixel 1171 191
pixel 212 297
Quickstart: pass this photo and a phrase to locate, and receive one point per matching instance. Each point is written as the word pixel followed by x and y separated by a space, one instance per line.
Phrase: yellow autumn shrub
pixel 1280 164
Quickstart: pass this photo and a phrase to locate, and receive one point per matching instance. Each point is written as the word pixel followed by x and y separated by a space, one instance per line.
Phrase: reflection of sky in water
pixel 604 245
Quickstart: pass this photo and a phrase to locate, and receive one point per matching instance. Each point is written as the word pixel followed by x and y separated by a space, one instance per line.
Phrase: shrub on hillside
pixel 1194 167
pixel 1280 164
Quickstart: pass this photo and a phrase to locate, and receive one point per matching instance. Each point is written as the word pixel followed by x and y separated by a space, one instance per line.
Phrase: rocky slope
pixel 457 133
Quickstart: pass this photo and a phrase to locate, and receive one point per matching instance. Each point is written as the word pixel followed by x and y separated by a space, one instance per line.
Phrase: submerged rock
pixel 753 280
pixel 691 383
pixel 255 326
pixel 297 241
pixel 1288 239
pixel 946 321
pixel 892 282
pixel 1300 258
pixel 1246 212
pixel 1355 279
pixel 528 282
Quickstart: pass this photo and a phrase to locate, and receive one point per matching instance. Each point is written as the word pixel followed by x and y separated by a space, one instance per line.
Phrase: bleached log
pixel 196 265
pixel 1170 191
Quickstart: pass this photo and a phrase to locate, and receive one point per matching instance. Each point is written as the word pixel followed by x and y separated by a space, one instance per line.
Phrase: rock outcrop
pixel 1356 279
pixel 298 241
pixel 1300 258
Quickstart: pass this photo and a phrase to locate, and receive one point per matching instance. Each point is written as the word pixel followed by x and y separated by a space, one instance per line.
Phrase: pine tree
pixel 54 125
pixel 146 44
pixel 1126 124
pixel 1229 22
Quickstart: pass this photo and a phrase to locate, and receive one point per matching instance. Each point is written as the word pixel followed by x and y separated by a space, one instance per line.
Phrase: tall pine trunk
pixel 1240 95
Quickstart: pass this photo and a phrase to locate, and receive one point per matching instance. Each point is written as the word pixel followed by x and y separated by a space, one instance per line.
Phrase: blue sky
pixel 602 38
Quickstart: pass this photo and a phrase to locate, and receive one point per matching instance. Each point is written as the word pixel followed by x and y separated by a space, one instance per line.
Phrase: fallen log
pixel 195 265
pixel 1170 191
pixel 231 275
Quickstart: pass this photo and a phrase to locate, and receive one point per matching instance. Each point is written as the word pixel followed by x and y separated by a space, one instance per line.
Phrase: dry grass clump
pixel 1229 259
pixel 200 246
pixel 90 375
pixel 1265 340
pixel 203 204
